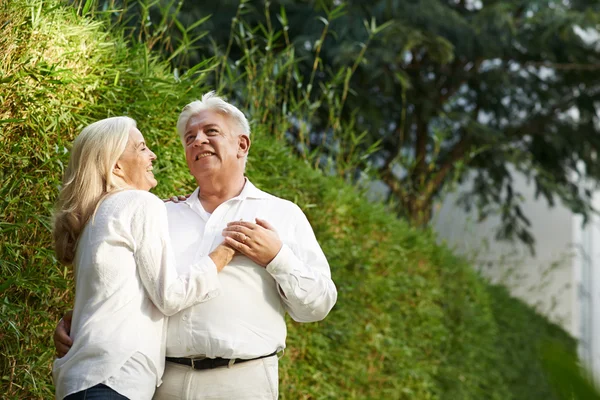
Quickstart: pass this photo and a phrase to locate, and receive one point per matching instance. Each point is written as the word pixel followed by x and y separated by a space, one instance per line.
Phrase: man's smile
pixel 204 155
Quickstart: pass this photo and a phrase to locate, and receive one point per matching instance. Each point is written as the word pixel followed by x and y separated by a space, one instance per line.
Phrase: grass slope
pixel 412 320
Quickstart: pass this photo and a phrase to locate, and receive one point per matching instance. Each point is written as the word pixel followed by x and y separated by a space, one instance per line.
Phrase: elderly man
pixel 226 348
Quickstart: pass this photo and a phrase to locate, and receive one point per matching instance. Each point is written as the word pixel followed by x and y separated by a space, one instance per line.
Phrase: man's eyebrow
pixel 187 134
pixel 191 131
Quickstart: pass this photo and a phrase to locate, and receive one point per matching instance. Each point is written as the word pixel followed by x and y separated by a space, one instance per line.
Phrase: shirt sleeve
pixel 155 263
pixel 303 275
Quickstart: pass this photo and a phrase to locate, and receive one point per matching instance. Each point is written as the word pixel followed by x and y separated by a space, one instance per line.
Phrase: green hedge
pixel 412 320
pixel 522 336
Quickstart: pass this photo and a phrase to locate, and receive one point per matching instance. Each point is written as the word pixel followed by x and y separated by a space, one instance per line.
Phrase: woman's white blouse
pixel 126 282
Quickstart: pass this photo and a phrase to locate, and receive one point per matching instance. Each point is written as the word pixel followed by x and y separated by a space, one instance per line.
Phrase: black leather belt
pixel 210 363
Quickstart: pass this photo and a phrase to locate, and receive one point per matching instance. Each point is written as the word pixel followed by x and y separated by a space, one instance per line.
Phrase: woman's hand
pixel 177 199
pixel 222 256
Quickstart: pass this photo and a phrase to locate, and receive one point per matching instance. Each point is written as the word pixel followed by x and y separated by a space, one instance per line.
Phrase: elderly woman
pixel 115 234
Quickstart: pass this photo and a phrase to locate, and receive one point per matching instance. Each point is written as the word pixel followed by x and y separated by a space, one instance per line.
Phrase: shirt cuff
pixel 282 262
pixel 208 269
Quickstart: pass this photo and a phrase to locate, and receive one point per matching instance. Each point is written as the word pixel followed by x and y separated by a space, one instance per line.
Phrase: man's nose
pixel 200 139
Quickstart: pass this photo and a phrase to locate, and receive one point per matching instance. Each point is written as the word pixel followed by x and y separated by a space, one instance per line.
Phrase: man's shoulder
pixel 176 208
pixel 282 205
pixel 261 194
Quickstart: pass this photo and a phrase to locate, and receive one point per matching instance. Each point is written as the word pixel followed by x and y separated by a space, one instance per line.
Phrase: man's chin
pixel 202 172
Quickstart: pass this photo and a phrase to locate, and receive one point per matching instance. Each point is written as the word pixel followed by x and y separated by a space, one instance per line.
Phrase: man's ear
pixel 243 145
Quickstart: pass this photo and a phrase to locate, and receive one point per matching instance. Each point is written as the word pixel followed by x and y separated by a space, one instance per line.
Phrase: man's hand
pixel 62 341
pixel 177 199
pixel 259 242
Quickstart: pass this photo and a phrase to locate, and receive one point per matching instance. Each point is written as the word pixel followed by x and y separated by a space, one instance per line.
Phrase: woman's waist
pixel 128 327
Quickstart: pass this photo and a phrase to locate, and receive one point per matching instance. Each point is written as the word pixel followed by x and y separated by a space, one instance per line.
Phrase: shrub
pixel 522 335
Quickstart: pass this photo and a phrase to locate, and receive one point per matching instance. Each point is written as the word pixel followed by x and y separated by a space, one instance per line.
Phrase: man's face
pixel 213 144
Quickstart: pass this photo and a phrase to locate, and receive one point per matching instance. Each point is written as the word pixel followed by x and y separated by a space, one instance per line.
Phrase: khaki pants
pixel 254 380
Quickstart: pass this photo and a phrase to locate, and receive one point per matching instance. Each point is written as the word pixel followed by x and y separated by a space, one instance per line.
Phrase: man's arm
pixel 300 270
pixel 62 341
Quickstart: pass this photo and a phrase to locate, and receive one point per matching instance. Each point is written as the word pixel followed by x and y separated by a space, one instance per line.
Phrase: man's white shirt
pixel 246 319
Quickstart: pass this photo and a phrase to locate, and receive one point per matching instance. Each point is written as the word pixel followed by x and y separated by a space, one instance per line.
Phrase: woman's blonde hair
pixel 87 180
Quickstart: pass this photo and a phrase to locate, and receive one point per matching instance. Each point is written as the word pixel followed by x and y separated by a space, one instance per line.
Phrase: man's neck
pixel 214 192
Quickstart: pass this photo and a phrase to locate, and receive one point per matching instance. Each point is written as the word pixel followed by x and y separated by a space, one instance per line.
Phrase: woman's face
pixel 135 163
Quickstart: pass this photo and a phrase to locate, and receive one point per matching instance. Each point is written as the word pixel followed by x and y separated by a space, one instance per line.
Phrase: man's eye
pixel 189 139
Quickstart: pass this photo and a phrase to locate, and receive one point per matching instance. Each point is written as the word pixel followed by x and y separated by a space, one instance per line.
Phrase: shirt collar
pixel 251 192
pixel 248 192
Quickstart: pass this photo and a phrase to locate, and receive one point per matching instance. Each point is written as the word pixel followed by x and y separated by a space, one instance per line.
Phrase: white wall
pixel 587 263
pixel 547 281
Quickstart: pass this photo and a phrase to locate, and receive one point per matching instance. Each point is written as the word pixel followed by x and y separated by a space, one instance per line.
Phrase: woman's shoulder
pixel 133 200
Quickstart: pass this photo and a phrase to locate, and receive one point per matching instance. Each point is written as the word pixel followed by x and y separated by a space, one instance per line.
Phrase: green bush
pixel 412 320
pixel 522 336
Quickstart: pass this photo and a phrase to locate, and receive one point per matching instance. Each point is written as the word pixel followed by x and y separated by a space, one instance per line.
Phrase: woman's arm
pixel 155 262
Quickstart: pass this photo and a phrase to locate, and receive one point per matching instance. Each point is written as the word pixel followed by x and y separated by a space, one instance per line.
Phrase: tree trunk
pixel 417 210
pixel 414 205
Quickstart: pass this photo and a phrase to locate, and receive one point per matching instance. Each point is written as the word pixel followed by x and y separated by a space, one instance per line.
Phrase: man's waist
pixel 230 351
pixel 201 363
pixel 225 337
pixel 213 344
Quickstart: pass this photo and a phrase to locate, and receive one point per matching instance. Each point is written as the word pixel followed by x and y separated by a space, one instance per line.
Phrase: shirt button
pixel 184 318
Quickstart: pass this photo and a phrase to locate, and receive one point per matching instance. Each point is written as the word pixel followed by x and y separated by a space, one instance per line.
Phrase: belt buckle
pixel 194 363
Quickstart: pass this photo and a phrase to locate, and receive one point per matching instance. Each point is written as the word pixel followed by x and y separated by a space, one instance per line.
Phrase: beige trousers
pixel 256 380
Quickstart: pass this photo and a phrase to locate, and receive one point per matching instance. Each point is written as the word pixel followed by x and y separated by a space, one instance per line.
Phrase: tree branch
pixel 560 66
pixel 420 150
pixel 529 127
pixel 457 153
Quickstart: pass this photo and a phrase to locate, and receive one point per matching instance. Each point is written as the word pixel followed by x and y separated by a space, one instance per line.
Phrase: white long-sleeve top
pixel 126 282
pixel 247 319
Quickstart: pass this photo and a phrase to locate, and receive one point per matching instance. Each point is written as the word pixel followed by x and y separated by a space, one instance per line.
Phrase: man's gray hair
pixel 210 101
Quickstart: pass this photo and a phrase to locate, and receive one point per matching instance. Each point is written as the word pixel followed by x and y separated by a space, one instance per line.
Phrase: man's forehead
pixel 207 118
